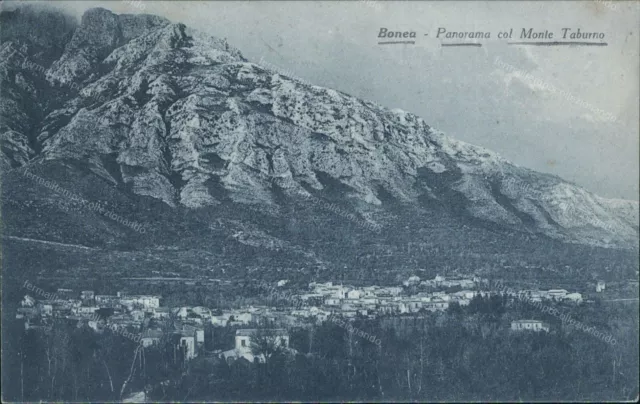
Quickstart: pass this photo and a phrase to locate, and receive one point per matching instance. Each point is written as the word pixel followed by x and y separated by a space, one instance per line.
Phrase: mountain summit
pixel 143 114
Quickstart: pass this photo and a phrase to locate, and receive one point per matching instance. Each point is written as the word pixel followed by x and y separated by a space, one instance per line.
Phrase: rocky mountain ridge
pixel 158 110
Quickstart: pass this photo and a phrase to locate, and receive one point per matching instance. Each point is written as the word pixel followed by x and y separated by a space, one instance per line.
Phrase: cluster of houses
pixel 127 315
pixel 143 316
pixel 556 295
pixel 125 309
pixel 325 299
pixel 442 282
pixel 257 315
pixel 370 301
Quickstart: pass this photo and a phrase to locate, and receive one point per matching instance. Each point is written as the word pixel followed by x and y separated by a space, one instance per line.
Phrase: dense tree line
pixel 67 362
pixel 453 356
pixel 467 353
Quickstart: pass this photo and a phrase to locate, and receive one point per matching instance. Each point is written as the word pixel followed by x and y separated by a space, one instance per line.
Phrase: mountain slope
pixel 155 116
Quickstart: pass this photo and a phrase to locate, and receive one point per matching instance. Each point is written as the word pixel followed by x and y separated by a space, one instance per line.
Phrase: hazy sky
pixel 464 91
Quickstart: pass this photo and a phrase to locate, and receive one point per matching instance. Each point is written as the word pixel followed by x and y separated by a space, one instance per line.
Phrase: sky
pixel 569 111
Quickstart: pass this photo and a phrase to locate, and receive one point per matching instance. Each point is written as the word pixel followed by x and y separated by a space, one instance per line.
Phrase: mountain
pixel 177 131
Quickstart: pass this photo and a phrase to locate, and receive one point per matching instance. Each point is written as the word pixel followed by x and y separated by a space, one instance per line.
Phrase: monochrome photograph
pixel 319 201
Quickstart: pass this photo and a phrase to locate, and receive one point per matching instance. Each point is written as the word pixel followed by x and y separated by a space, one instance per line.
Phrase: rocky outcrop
pixel 177 115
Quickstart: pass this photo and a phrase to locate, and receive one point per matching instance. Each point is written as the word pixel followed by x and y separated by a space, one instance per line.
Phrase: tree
pixel 267 343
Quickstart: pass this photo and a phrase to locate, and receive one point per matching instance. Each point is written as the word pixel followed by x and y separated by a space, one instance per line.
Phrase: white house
pixel 202 311
pixel 441 296
pixel 466 294
pixel 87 294
pixel 245 336
pixel 301 313
pixel 137 315
pixel 389 291
pixel 220 320
pixel 86 310
pixel 529 325
pixel 315 285
pixel 354 294
pixel 46 309
pixel 600 286
pixel 161 312
pixel 387 308
pixel 574 297
pixel 339 292
pixel 332 301
pixel 436 304
pixel 557 293
pixel 242 318
pixel 146 301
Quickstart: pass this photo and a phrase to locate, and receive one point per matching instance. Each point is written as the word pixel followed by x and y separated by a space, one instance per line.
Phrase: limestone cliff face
pixel 178 116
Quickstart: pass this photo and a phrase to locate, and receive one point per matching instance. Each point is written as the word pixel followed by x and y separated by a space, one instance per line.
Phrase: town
pixel 142 317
